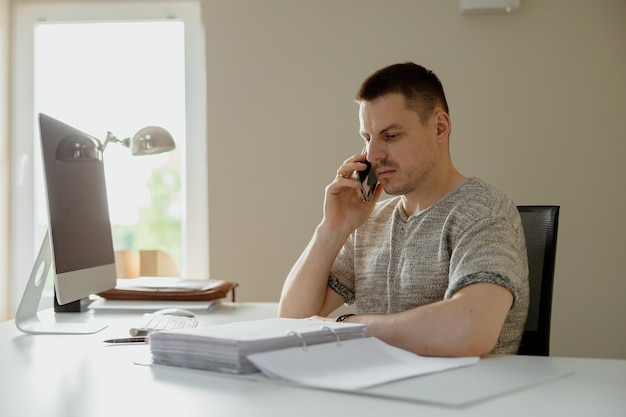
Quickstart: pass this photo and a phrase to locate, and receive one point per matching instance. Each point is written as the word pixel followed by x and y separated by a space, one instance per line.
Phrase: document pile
pixel 225 347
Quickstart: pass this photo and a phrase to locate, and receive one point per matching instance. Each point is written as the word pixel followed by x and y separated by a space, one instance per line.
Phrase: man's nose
pixel 374 150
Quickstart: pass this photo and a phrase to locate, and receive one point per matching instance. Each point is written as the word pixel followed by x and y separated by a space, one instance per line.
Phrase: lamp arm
pixel 111 138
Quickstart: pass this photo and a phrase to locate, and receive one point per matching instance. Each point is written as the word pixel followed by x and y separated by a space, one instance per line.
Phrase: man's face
pixel 402 150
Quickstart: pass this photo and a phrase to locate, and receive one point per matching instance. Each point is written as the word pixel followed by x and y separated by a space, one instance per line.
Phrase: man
pixel 440 269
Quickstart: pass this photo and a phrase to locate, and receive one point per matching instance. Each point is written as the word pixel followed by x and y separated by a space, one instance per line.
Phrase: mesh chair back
pixel 540 228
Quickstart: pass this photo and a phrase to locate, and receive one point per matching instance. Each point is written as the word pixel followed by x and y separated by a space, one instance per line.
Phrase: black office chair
pixel 540 228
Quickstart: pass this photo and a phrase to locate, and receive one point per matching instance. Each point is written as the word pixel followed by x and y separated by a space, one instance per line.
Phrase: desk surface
pixel 72 376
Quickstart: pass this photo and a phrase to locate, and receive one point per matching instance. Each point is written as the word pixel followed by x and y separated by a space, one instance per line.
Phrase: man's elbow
pixel 291 310
pixel 479 348
pixel 477 343
pixel 284 310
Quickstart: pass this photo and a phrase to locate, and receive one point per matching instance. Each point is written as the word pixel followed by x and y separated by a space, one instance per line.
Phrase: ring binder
pixel 333 331
pixel 227 347
pixel 299 336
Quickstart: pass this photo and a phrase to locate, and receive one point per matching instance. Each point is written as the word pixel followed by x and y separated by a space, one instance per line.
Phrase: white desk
pixel 78 376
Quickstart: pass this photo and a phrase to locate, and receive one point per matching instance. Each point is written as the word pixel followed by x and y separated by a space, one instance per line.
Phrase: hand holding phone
pixel 369 181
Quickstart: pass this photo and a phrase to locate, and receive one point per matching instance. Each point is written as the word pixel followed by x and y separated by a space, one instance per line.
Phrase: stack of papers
pixel 225 347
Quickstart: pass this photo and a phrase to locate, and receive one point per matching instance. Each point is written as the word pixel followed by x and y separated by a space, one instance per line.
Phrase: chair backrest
pixel 540 228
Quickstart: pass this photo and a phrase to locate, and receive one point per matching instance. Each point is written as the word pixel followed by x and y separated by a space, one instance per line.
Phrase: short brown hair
pixel 420 87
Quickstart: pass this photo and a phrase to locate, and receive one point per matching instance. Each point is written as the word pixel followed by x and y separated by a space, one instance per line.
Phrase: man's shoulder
pixel 477 194
pixel 475 185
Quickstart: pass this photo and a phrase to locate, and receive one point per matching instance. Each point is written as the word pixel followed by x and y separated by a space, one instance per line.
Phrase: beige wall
pixel 537 102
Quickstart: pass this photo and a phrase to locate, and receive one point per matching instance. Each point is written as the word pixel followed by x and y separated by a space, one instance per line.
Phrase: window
pixel 108 66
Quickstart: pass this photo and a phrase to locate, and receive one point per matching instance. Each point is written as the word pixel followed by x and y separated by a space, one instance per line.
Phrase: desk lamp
pixel 147 141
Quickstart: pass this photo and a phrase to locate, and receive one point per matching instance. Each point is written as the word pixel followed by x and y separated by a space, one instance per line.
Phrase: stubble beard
pixel 410 181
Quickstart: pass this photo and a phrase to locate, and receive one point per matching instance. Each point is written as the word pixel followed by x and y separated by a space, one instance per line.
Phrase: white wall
pixel 537 102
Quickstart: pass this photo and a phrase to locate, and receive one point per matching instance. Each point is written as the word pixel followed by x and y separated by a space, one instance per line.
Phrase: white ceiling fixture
pixel 488 6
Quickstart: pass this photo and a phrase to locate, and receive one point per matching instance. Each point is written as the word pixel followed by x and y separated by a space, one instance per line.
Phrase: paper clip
pixel 333 331
pixel 299 337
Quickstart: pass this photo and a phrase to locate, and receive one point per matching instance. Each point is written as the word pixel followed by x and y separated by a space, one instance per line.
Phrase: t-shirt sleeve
pixel 491 250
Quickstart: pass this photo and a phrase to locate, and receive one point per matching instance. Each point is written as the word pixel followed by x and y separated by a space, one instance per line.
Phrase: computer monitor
pixel 78 245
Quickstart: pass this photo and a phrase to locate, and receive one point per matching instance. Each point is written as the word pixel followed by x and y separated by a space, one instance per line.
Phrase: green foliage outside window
pixel 159 225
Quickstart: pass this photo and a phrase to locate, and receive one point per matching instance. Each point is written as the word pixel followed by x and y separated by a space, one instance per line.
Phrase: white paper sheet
pixel 350 365
pixel 163 283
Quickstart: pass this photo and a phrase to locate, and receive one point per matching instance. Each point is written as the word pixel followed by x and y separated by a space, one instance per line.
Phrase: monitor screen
pixel 79 224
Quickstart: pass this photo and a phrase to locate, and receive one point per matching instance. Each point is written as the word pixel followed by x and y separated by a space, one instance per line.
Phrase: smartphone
pixel 368 180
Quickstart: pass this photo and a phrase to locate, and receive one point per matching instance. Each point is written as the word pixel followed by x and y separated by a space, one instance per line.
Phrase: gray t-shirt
pixel 393 263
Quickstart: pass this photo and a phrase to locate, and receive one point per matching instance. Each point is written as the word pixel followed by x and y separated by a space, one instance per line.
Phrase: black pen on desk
pixel 128 340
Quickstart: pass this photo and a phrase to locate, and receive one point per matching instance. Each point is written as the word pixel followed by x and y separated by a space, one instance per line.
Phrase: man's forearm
pixel 305 289
pixel 468 324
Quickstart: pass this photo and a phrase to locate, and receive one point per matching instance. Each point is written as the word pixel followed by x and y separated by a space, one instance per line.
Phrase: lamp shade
pixel 151 140
pixel 79 148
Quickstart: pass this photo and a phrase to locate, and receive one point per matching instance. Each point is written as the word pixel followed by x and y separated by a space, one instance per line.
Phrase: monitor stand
pixel 77 306
pixel 27 319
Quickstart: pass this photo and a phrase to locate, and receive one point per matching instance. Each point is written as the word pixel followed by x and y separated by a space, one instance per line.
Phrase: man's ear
pixel 442 124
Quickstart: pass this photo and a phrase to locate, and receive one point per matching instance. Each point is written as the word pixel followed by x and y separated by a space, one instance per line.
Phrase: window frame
pixel 24 237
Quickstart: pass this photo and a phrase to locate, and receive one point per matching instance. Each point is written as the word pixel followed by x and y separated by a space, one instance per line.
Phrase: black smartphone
pixel 368 180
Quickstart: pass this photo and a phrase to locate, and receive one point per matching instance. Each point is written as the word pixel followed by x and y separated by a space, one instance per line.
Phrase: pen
pixel 128 340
